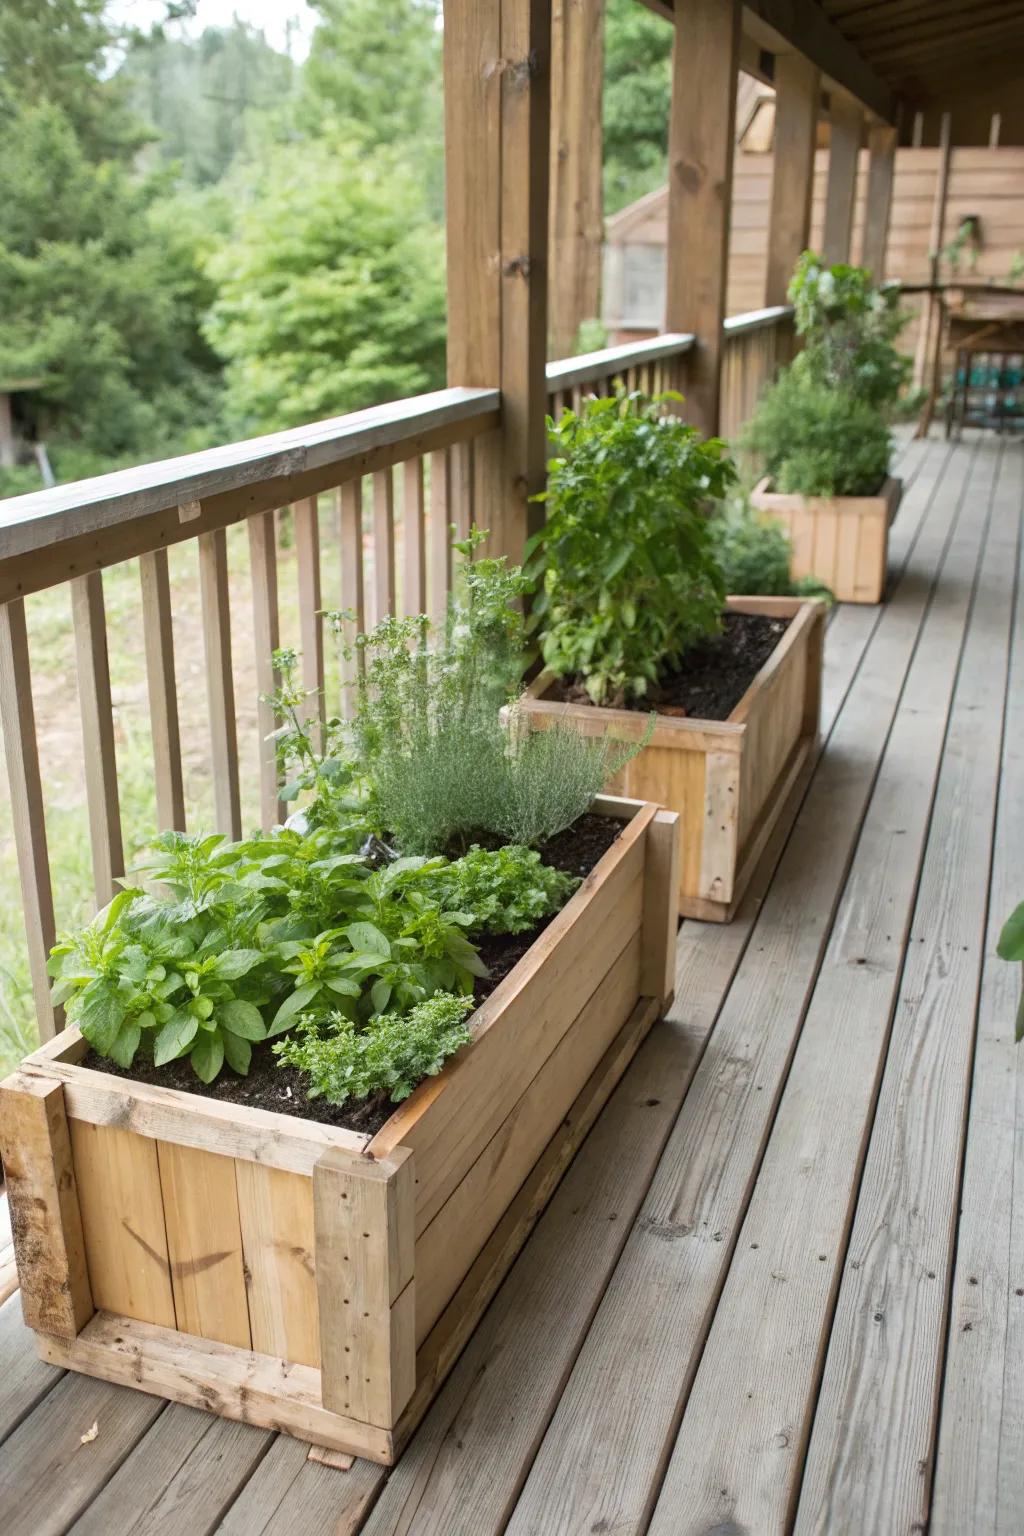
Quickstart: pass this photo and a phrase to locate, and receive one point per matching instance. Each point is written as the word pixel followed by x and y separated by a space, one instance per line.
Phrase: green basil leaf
pixel 235 962
pixel 207 1056
pixel 292 1006
pixel 237 1053
pixel 242 1019
pixel 175 1037
pixel 368 939
pixel 127 1043
pixel 1011 940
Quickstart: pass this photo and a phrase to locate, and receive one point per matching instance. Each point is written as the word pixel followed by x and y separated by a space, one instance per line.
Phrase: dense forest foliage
pixel 200 238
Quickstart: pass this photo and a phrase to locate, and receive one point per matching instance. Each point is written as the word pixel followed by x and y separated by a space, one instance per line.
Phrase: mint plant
pixel 508 890
pixel 625 561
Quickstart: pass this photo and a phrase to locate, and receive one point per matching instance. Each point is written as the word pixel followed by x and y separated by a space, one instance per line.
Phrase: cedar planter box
pixel 843 541
pixel 306 1278
pixel 728 780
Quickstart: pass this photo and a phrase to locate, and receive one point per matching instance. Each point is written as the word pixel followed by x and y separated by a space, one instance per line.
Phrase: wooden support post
pixel 661 910
pixel 705 62
pixel 364 1213
pixel 47 1223
pixel 21 753
pixel 847 124
pixel 878 205
pixel 496 70
pixel 797 90
pixel 926 323
pixel 575 216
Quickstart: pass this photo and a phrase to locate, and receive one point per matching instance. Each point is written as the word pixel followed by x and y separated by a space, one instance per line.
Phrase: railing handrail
pixel 81 507
pixel 757 319
pixel 589 366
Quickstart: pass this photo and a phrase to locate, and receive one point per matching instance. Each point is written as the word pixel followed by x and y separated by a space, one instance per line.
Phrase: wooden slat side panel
pixel 450 1118
pixel 21 755
pixel 45 1215
pixel 774 728
pixel 123 1222
pixel 162 687
pixel 100 762
pixel 278 1245
pixel 448 1246
pixel 676 779
pixel 204 1243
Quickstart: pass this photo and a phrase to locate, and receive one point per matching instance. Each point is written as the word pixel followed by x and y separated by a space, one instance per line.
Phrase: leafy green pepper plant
pixel 625 561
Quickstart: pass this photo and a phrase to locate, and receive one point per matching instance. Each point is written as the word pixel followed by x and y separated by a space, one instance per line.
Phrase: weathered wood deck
pixel 782 1286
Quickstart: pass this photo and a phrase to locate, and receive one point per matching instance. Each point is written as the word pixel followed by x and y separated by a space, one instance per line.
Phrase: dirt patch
pixel 713 677
pixel 282 1089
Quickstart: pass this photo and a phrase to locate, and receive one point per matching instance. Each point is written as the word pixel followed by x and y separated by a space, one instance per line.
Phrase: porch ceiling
pixel 890 54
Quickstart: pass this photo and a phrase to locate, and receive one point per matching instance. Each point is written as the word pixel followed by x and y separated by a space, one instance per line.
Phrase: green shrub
pixel 754 553
pixel 390 1054
pixel 625 560
pixel 817 440
pixel 441 770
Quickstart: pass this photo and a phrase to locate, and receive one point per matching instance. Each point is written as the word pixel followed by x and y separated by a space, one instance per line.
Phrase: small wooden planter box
pixel 310 1279
pixel 728 780
pixel 843 541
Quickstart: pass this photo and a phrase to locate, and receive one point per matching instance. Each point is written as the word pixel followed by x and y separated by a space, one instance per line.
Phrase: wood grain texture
pixel 121 1202
pixel 846 127
pixel 979 1478
pixel 760 1367
pixel 21 756
pixel 882 1372
pixel 158 635
pixel 797 94
pixel 311 626
pixel 621 1405
pixel 878 199
pixel 705 62
pixel 350 543
pixel 275 1210
pixel 289 1493
pixel 383 544
pixel 45 1216
pixel 25 1379
pixel 364 1221
pixel 204 1244
pixel 842 541
pixel 220 685
pixel 266 639
pixel 414 540
pixel 100 762
pixel 575 212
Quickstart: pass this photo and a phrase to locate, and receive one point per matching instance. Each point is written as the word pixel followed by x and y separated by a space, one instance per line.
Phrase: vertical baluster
pixel 267 638
pixel 415 538
pixel 440 533
pixel 97 733
pixel 311 624
pixel 158 635
pixel 220 686
pixel 461 485
pixel 26 790
pixel 350 541
pixel 383 543
pixel 577 398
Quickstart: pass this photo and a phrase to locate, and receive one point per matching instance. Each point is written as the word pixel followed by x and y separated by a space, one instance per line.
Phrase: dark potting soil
pixel 713 676
pixel 282 1089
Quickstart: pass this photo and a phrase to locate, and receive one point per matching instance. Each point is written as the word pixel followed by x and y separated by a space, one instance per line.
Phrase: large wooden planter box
pixel 728 780
pixel 309 1279
pixel 843 541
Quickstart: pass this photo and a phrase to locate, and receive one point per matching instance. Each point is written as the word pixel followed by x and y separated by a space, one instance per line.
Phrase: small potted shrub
pixel 307 1074
pixel 634 622
pixel 822 431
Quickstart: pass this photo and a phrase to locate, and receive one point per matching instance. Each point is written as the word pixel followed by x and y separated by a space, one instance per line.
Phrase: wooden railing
pixel 390 553
pixel 395 556
pixel 651 366
pixel 756 345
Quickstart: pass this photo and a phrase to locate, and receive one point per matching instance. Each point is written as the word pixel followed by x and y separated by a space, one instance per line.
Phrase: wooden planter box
pixel 843 541
pixel 310 1279
pixel 728 780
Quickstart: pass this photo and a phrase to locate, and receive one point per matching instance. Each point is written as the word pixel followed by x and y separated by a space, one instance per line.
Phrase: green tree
pixel 204 98
pixel 330 287
pixel 100 282
pixel 637 99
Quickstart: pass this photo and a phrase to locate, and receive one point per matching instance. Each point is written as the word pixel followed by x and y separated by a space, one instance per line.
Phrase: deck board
pixel 817 1091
